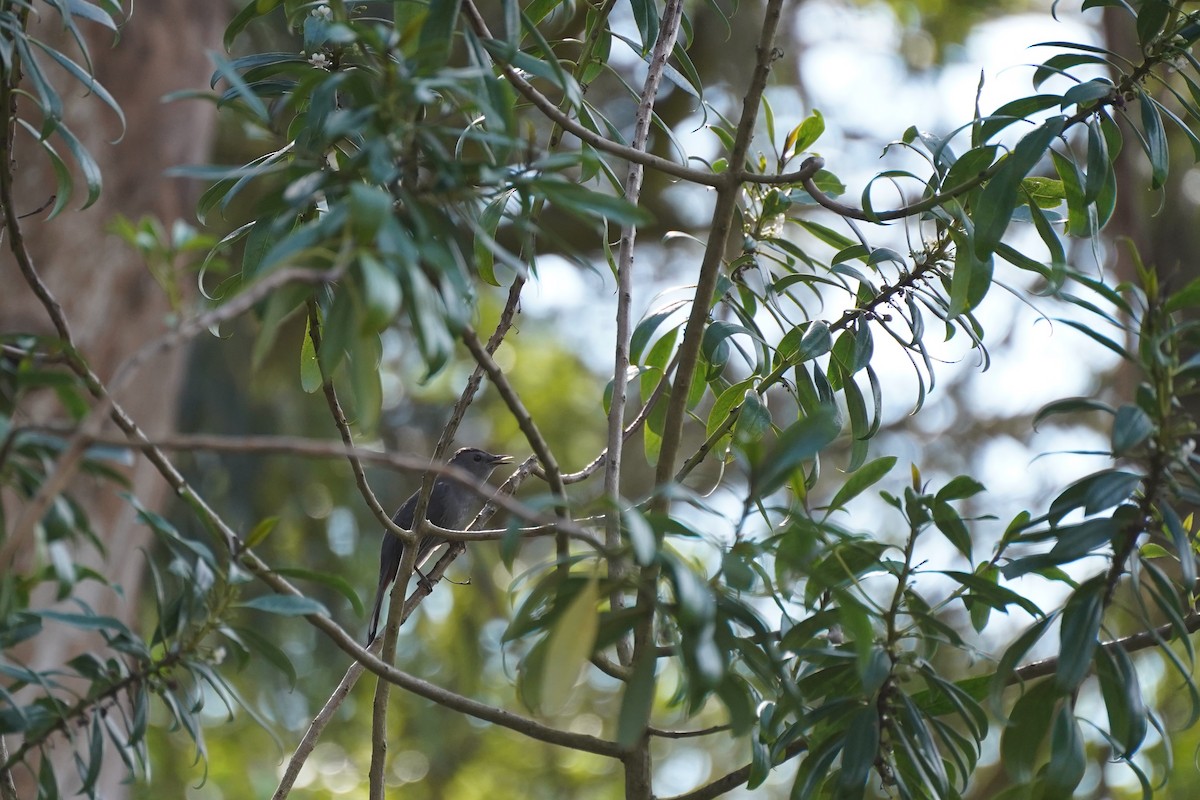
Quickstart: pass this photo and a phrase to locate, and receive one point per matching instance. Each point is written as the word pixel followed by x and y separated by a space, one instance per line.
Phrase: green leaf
pixel 1068 761
pixel 1013 656
pixel 1079 634
pixel 860 480
pixel 1152 16
pixel 286 605
pixel 569 647
pixel 1069 406
pixel 1156 140
pixel 249 12
pixel 637 702
pixel 586 203
pixel 381 293
pixel 729 399
pixel 826 234
pixel 641 537
pixel 804 135
pixel 753 422
pixel 972 277
pixel 999 195
pixel 335 582
pixel 985 589
pixel 238 87
pixel 1077 211
pixel 266 648
pixel 1131 427
pixel 859 753
pixel 1044 192
pixel 646 328
pixel 1028 724
pixel 1016 111
pixel 816 341
pixel 798 443
pixel 1122 693
pixel 310 369
pixel 960 488
pixel 1099 166
pixel 261 531
pixel 437 32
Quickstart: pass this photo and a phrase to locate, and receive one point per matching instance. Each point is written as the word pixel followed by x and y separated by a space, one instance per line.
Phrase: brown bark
pixel 109 297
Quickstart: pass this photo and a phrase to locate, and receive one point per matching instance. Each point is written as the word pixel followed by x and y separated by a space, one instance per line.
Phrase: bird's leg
pixel 423 581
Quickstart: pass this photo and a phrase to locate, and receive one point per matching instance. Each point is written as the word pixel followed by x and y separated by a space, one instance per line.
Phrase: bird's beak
pixel 502 459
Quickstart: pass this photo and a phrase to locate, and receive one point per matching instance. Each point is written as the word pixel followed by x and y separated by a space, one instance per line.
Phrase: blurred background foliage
pixel 981 424
pixel 560 359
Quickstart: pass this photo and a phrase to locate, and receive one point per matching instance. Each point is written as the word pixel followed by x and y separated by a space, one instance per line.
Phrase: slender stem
pixel 8 786
pixel 524 420
pixel 339 420
pixel 618 565
pixel 728 192
pixel 866 310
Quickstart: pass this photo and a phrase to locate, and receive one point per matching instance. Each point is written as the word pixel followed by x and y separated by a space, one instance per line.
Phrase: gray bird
pixel 451 505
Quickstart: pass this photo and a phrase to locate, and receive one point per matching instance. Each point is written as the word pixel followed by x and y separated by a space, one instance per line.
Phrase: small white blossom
pixel 318 60
pixel 321 12
pixel 773 227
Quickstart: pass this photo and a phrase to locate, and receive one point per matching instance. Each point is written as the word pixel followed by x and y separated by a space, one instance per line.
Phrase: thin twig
pixel 8 786
pixel 619 565
pixel 665 734
pixel 343 426
pixel 633 427
pixel 65 466
pixel 523 418
pixel 731 781
pixel 315 728
pixel 444 697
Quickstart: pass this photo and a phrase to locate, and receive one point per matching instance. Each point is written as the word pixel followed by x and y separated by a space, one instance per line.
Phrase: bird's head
pixel 479 463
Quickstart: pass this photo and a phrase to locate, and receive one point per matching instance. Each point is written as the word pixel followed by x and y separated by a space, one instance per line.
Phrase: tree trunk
pixel 110 299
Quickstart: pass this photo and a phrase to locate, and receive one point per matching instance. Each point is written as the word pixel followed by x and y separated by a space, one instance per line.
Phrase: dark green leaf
pixel 1070 405
pixel 1122 693
pixel 1152 16
pixel 798 443
pixel 1068 761
pixel 1077 209
pixel 1131 427
pixel 433 47
pixel 1079 635
pixel 636 703
pixel 642 538
pixel 286 605
pixel 860 480
pixel 960 488
pixel 1099 166
pixel 1156 140
pixel 859 753
pixel 1027 727
pixel 986 590
pixel 335 582
pixel 999 196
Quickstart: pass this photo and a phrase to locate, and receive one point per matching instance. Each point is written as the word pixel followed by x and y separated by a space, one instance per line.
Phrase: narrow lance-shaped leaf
pixel 999 196
pixel 799 443
pixel 569 646
pixel 1155 141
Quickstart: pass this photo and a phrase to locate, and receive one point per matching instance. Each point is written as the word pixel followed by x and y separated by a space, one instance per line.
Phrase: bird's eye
pixel 478 457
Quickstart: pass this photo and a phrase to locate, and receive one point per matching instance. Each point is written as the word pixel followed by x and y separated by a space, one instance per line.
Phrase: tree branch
pixel 339 420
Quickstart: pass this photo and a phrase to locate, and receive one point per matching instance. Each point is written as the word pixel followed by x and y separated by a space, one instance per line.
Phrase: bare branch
pixel 727 783
pixel 315 728
pixel 339 420
pixel 456 702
